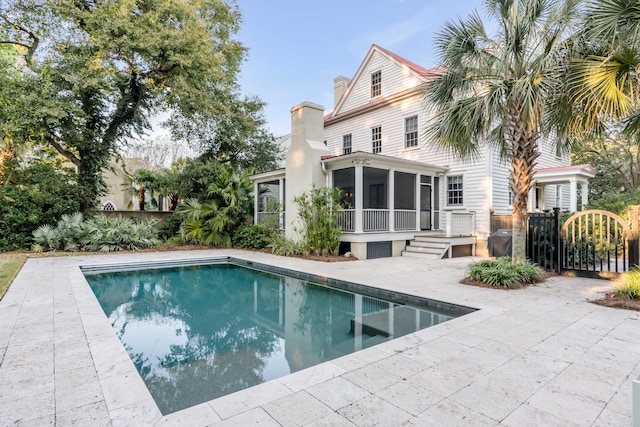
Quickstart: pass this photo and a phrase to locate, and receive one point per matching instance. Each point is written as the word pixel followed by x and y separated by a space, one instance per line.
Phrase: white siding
pixel 485 178
pixel 475 172
pixel 395 78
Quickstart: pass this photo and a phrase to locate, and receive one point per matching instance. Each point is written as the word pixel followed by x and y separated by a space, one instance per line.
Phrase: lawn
pixel 10 264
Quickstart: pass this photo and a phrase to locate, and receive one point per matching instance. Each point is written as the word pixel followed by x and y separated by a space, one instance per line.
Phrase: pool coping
pixel 138 391
pixel 52 328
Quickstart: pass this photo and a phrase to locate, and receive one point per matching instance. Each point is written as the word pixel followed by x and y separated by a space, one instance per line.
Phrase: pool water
pixel 199 332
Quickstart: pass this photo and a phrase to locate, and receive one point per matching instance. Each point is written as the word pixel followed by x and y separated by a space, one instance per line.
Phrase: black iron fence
pixel 591 243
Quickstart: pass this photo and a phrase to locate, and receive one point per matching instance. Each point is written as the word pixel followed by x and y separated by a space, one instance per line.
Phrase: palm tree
pixel 495 90
pixel 604 82
pixel 212 222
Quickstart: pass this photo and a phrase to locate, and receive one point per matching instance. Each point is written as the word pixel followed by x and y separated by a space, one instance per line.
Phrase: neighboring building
pixel 399 188
pixel 121 191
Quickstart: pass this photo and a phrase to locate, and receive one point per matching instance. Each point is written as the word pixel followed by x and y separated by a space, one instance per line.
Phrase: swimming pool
pixel 199 330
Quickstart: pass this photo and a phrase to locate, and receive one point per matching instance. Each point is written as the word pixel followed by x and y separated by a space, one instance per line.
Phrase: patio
pixel 537 356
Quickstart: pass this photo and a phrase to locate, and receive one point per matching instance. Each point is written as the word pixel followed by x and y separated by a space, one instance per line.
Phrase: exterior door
pixel 425 203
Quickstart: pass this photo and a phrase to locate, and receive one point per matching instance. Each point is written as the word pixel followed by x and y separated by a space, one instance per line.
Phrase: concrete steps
pixel 434 246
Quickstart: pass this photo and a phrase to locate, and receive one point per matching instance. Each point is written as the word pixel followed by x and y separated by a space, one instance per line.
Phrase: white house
pixel 403 196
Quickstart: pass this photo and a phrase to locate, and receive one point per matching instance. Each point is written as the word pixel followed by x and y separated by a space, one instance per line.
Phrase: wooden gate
pixel 597 243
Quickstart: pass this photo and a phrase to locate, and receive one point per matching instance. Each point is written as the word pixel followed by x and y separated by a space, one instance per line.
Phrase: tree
pixel 497 90
pixel 238 138
pixel 94 71
pixel 145 180
pixel 604 83
pixel 616 158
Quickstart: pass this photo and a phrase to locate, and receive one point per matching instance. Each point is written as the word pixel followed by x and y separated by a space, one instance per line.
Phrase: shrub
pixel 617 203
pixel 170 227
pixel 96 234
pixel 283 246
pixel 256 236
pixel 36 195
pixel 115 234
pixel 503 273
pixel 213 222
pixel 629 284
pixel 46 238
pixel 318 213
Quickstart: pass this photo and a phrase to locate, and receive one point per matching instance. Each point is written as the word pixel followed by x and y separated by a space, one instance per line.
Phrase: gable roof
pixel 420 72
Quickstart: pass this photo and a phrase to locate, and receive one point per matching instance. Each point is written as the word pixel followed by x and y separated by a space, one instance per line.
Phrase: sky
pixel 297 47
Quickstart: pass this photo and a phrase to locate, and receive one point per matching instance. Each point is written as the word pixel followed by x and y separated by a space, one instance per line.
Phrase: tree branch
pixel 31 49
pixel 66 153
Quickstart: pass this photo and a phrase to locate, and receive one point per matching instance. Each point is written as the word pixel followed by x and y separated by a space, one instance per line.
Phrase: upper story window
pixel 346 144
pixel 376 84
pixel 559 151
pixel 411 132
pixel 376 140
pixel 454 190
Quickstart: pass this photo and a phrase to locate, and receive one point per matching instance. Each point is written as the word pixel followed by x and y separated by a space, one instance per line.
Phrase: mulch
pixel 613 300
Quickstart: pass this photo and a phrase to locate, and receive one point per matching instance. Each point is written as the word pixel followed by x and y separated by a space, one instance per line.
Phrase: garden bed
pixel 613 300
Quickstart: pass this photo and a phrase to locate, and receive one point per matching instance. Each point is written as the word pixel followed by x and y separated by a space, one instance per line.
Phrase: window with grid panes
pixel 376 84
pixel 346 144
pixel 454 190
pixel 411 132
pixel 376 140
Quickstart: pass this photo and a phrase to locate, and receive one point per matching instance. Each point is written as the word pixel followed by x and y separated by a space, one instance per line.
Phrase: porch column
pixel 532 199
pixel 543 197
pixel 392 201
pixel 417 200
pixel 584 193
pixel 255 202
pixel 359 197
pixel 573 195
pixel 281 211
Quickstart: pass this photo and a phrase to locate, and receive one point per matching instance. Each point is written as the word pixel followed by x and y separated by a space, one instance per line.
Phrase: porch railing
pixel 375 220
pixel 346 220
pixel 404 219
pixel 460 223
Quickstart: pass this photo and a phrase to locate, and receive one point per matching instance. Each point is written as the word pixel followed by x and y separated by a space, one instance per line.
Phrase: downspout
pixel 326 173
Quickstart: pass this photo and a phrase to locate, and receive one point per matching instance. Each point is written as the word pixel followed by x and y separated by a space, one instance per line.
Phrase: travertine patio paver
pixel 536 356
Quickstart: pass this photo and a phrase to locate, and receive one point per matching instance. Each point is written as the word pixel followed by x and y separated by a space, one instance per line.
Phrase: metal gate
pixel 591 243
pixel 597 243
pixel 542 239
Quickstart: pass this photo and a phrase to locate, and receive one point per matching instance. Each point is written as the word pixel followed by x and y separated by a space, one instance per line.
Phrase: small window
pixel 376 84
pixel 559 151
pixel 376 140
pixel 346 144
pixel 454 190
pixel 411 132
pixel 510 197
pixel 109 207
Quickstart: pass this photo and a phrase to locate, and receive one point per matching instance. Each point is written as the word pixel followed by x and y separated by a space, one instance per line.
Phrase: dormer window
pixel 376 84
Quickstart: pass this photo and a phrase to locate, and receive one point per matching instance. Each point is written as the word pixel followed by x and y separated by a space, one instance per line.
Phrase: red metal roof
pixel 415 67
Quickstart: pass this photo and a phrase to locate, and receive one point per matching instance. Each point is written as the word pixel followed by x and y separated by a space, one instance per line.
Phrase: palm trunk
pixel 524 153
pixel 141 197
pixel 173 202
